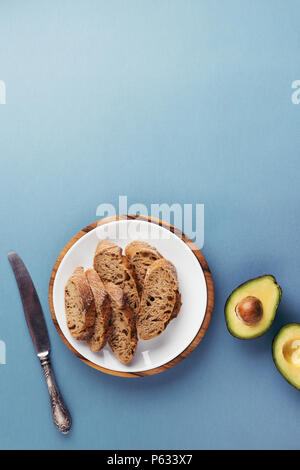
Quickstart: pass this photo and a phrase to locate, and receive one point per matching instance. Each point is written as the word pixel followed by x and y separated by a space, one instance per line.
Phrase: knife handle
pixel 61 416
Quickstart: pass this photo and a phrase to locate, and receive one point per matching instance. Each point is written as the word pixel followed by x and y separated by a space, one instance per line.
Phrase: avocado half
pixel 251 308
pixel 286 353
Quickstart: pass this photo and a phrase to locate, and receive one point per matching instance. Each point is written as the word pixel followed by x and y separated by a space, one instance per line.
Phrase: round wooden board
pixel 208 279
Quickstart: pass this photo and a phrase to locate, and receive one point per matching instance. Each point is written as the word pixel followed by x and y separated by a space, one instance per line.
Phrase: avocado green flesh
pixel 268 292
pixel 286 353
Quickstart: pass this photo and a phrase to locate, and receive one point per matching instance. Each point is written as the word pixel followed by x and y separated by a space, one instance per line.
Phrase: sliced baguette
pixel 102 327
pixel 123 337
pixel 113 267
pixel 141 255
pixel 80 305
pixel 160 299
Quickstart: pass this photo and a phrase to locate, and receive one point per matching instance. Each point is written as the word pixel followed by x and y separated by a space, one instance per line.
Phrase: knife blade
pixel 40 338
pixel 31 305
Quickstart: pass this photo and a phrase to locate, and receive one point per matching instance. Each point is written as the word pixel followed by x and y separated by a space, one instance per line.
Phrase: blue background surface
pixel 162 101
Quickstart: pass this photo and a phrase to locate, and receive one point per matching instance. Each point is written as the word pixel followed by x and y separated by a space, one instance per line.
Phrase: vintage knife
pixel 39 334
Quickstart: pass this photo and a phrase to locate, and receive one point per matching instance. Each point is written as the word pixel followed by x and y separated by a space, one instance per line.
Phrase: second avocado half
pixel 286 353
pixel 251 307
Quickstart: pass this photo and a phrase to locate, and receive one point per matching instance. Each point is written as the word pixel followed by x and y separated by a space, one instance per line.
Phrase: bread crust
pixel 140 249
pixel 137 245
pixel 177 306
pixel 116 294
pixel 112 266
pixel 78 282
pixel 102 327
pixel 123 338
pixel 108 245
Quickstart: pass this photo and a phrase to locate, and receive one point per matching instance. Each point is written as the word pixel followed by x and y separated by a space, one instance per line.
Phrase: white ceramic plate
pixel 180 332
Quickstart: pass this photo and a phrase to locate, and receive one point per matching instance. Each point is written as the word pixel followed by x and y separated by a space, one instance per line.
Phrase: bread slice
pixel 141 255
pixel 160 299
pixel 102 327
pixel 123 337
pixel 113 267
pixel 80 305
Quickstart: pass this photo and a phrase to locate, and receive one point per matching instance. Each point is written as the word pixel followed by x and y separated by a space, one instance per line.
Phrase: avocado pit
pixel 249 310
